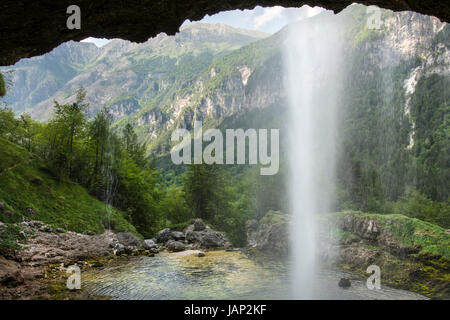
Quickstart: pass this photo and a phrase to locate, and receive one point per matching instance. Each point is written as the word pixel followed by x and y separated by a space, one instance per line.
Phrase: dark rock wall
pixel 30 28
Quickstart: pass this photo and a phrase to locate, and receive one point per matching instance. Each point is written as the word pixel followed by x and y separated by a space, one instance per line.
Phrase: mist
pixel 313 59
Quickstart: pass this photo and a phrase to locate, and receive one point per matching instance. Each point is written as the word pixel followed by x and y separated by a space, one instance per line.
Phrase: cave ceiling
pixel 31 28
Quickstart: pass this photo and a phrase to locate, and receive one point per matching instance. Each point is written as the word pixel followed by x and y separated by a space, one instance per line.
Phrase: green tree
pixel 2 86
pixel 135 149
pixel 29 131
pixel 8 124
pixel 205 190
pixel 174 205
pixel 99 132
pixel 138 195
pixel 67 129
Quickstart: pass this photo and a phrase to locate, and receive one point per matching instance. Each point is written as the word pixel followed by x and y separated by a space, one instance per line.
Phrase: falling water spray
pixel 312 57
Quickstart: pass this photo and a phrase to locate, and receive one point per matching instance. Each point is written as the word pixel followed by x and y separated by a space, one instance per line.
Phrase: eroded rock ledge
pixel 34 28
pixel 40 264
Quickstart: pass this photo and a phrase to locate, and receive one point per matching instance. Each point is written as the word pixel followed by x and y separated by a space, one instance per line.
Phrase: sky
pixel 269 20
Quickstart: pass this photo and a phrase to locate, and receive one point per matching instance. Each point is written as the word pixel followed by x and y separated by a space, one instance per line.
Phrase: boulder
pixel 213 239
pixel 193 236
pixel 201 254
pixel 199 225
pixel 46 228
pixel 129 240
pixel 10 274
pixel 119 249
pixel 271 233
pixel 206 238
pixel 149 244
pixel 173 245
pixel 34 224
pixel 163 236
pixel 344 283
pixel 154 250
pixel 177 235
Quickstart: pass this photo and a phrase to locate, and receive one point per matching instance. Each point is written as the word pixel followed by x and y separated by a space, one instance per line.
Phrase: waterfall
pixel 109 173
pixel 312 60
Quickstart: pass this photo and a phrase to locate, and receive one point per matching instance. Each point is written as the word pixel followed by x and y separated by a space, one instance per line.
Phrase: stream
pixel 218 275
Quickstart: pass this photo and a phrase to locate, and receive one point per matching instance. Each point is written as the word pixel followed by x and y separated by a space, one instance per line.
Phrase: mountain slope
pixel 28 189
pixel 122 76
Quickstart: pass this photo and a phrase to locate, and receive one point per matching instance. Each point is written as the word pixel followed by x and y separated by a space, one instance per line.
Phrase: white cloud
pixel 268 15
pixel 310 12
pixel 98 42
pixel 270 19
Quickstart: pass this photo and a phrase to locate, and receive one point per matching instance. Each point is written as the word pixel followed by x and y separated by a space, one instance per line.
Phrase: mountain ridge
pixel 57 74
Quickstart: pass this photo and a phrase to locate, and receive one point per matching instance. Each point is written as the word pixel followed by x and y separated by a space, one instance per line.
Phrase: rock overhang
pixel 31 28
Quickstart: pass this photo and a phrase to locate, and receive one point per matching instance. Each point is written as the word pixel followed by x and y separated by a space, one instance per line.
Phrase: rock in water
pixel 149 244
pixel 206 238
pixel 213 239
pixel 175 246
pixel 344 283
pixel 270 234
pixel 129 239
pixel 163 236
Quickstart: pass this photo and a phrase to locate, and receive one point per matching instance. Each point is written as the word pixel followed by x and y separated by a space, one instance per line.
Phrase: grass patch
pixel 58 203
pixel 9 238
pixel 274 217
pixel 413 232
